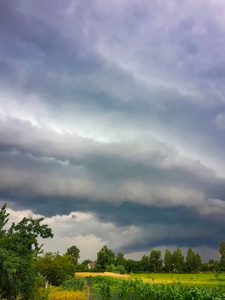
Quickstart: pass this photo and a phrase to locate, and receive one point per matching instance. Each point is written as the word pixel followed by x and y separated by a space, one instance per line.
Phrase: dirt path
pixel 88 292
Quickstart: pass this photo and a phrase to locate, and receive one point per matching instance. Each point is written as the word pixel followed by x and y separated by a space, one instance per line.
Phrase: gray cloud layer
pixel 117 110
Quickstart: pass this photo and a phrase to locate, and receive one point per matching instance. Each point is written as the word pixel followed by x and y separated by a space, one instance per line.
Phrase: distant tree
pixel 86 262
pixel 110 268
pixel 204 267
pixel 133 266
pixel 222 253
pixel 55 267
pixel 168 261
pixel 178 261
pixel 145 263
pixel 211 265
pixel 81 268
pixel 75 252
pixel 120 269
pixel 105 257
pixel 18 247
pixel 155 260
pixel 193 261
pixel 120 260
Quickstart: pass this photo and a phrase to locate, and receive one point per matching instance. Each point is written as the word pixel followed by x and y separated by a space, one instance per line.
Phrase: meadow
pixel 199 279
pixel 111 286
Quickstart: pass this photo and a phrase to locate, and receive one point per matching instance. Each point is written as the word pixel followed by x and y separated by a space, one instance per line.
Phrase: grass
pixel 68 295
pixel 200 279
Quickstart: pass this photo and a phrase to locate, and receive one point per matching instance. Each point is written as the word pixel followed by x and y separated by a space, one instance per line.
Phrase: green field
pixel 110 288
pixel 201 279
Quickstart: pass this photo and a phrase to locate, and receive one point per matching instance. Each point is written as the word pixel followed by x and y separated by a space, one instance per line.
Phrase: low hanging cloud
pixel 115 111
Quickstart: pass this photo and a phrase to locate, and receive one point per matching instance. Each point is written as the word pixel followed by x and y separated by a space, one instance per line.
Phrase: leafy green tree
pixel 204 267
pixel 86 262
pixel 178 261
pixel 120 260
pixel 105 257
pixel 193 261
pixel 110 268
pixel 222 253
pixel 168 261
pixel 133 266
pixel 155 260
pixel 145 263
pixel 55 267
pixel 18 247
pixel 120 269
pixel 190 261
pixel 75 252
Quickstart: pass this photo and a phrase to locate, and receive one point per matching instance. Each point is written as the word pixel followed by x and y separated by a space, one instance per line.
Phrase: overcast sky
pixel 112 122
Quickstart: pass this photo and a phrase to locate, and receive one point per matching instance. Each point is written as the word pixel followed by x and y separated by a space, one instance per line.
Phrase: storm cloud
pixel 113 112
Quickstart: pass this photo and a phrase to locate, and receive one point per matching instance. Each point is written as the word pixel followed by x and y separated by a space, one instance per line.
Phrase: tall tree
pixel 18 247
pixel 155 260
pixel 145 263
pixel 75 252
pixel 120 260
pixel 178 261
pixel 222 253
pixel 105 257
pixel 193 261
pixel 55 267
pixel 168 262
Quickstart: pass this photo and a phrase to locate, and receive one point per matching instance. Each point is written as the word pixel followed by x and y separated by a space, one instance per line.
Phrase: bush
pixel 120 269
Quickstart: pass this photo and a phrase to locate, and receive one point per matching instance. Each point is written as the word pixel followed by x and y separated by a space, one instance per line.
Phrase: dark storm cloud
pixel 117 110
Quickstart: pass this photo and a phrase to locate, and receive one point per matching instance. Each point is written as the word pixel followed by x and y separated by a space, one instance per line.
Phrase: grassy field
pixel 187 279
pixel 201 279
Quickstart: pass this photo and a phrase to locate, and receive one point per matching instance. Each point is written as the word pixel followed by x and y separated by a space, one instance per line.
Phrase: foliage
pixel 110 268
pixel 178 261
pixel 55 267
pixel 110 288
pixel 75 252
pixel 120 269
pixel 155 260
pixel 168 261
pixel 68 295
pixel 133 266
pixel 81 268
pixel 145 263
pixel 72 288
pixel 222 253
pixel 72 283
pixel 193 261
pixel 120 260
pixel 86 262
pixel 18 246
pixel 105 257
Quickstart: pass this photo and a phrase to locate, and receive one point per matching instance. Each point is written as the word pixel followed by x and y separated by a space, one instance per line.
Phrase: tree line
pixel 24 267
pixel 171 263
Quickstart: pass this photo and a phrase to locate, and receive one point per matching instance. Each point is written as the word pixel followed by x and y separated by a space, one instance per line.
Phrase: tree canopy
pixel 18 246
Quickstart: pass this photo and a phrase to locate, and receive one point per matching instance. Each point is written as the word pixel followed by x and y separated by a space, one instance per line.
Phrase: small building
pixel 91 265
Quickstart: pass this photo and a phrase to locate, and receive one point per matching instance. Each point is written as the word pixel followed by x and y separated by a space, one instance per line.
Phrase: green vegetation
pixel 18 247
pixel 70 284
pixel 25 271
pixel 55 267
pixel 198 279
pixel 106 288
